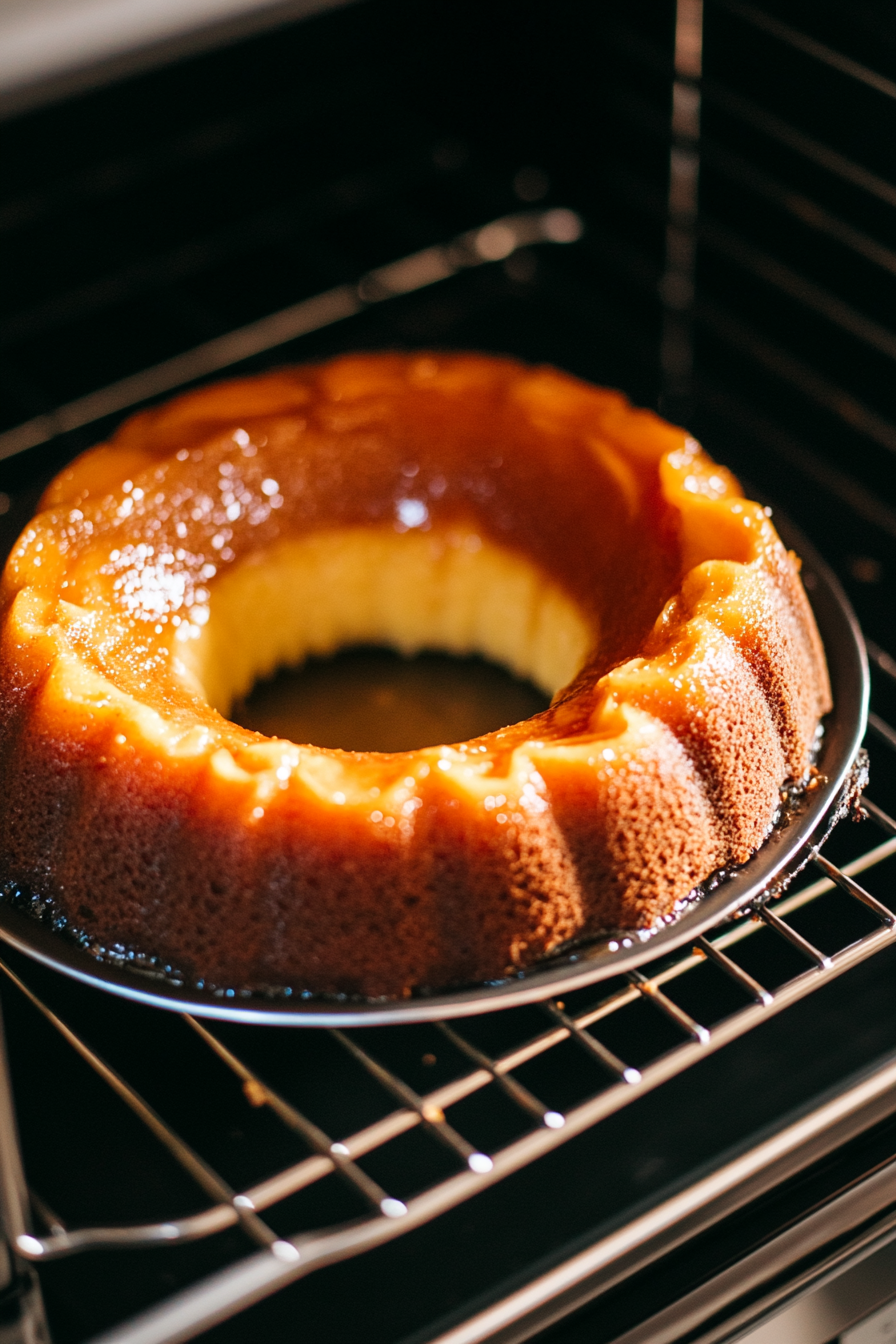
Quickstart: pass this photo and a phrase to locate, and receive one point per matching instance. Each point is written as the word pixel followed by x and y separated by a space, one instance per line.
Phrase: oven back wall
pixel 150 216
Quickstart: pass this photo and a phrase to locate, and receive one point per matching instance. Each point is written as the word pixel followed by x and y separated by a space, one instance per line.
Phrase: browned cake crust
pixel 154 823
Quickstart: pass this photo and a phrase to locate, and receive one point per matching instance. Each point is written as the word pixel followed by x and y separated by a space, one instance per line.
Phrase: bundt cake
pixel 451 502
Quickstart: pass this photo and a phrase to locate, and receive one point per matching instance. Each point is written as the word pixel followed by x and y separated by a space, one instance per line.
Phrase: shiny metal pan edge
pixel 780 858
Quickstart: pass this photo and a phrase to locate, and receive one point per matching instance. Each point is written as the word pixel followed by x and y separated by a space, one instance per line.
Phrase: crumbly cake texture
pixel 460 502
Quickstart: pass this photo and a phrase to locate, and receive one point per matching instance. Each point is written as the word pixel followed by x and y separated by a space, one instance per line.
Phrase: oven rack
pixel 279 1260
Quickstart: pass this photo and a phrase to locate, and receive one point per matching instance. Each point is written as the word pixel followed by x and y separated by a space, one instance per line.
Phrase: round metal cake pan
pixel 783 853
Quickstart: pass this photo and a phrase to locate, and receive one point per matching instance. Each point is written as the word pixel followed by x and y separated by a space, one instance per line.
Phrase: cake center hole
pixel 373 699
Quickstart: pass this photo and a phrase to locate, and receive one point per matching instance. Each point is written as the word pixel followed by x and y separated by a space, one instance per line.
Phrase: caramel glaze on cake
pixel 456 502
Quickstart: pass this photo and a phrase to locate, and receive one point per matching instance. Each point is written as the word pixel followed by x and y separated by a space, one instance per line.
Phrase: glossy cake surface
pixel 454 502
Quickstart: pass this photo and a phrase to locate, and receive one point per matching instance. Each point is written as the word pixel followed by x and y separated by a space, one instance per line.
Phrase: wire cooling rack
pixel 728 982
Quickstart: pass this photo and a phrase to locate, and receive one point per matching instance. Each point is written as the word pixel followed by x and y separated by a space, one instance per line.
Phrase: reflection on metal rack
pixel 677 284
pixel 616 1083
pixel 809 46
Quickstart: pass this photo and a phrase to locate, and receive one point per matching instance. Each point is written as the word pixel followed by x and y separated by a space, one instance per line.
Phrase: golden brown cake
pixel 454 502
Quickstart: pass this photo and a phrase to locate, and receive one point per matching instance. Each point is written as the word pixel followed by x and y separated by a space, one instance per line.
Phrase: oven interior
pixel 696 207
